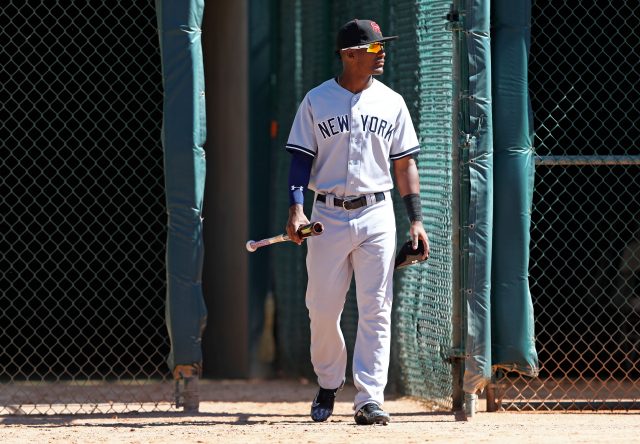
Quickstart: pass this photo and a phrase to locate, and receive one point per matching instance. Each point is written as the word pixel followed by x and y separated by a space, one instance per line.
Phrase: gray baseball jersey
pixel 362 132
pixel 353 138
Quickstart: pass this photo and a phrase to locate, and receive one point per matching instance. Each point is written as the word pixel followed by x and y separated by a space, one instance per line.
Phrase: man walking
pixel 347 134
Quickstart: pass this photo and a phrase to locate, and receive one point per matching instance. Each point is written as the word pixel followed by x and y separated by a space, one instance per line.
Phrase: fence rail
pixel 587 160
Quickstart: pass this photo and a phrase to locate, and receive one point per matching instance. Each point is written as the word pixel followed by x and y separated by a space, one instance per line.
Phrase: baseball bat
pixel 312 229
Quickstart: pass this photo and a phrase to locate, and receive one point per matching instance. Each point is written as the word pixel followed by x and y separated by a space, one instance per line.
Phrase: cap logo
pixel 376 28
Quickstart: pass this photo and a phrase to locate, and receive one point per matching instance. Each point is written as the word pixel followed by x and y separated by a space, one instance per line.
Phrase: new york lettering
pixel 340 124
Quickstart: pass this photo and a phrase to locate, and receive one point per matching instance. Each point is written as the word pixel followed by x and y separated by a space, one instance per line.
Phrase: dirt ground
pixel 277 411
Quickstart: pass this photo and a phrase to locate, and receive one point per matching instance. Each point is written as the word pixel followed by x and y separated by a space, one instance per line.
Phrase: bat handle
pixel 312 229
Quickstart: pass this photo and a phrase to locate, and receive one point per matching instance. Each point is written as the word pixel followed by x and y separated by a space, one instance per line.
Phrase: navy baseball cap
pixel 359 32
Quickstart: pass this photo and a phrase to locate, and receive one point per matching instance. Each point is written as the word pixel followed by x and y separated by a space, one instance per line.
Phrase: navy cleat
pixel 371 413
pixel 322 405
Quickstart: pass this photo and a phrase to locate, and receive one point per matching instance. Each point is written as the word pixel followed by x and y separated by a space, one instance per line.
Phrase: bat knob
pixel 250 247
pixel 317 228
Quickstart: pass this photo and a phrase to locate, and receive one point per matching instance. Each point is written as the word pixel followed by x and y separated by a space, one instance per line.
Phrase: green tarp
pixel 183 137
pixel 513 342
pixel 497 151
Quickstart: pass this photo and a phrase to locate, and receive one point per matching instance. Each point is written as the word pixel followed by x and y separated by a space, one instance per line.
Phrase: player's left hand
pixel 416 232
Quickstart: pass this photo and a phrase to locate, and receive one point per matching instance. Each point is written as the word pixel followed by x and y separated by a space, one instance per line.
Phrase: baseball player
pixel 347 133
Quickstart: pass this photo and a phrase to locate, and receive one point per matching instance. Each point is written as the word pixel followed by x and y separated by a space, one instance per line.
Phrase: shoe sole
pixel 377 420
pixel 320 419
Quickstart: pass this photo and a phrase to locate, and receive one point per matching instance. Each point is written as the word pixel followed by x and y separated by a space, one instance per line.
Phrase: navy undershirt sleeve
pixel 299 174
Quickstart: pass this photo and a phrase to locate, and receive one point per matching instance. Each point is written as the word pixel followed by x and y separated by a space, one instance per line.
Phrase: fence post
pixel 458 317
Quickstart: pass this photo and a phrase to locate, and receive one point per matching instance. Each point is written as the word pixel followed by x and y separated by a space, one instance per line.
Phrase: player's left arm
pixel 408 183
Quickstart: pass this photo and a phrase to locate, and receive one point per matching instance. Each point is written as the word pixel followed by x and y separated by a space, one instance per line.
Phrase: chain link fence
pixel 82 207
pixel 83 271
pixel 585 251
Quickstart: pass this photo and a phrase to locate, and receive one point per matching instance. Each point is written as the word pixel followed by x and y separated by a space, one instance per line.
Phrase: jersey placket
pixel 355 143
pixel 353 168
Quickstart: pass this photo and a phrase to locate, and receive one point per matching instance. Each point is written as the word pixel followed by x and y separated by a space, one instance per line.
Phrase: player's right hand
pixel 296 220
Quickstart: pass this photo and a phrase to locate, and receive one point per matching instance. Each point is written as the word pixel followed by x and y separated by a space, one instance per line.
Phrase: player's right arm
pixel 299 174
pixel 303 146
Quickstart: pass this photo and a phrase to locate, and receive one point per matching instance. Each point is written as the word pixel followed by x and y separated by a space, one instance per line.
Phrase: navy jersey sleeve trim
pixel 406 153
pixel 297 148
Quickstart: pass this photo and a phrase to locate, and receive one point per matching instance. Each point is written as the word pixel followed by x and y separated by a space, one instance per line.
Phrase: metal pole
pixel 587 160
pixel 458 318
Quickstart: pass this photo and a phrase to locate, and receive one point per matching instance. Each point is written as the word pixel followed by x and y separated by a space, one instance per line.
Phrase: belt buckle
pixel 353 202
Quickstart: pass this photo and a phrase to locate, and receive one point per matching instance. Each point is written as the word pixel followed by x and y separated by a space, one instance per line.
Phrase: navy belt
pixel 353 203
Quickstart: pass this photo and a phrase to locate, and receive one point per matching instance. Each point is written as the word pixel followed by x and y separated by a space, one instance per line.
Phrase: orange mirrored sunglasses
pixel 374 47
